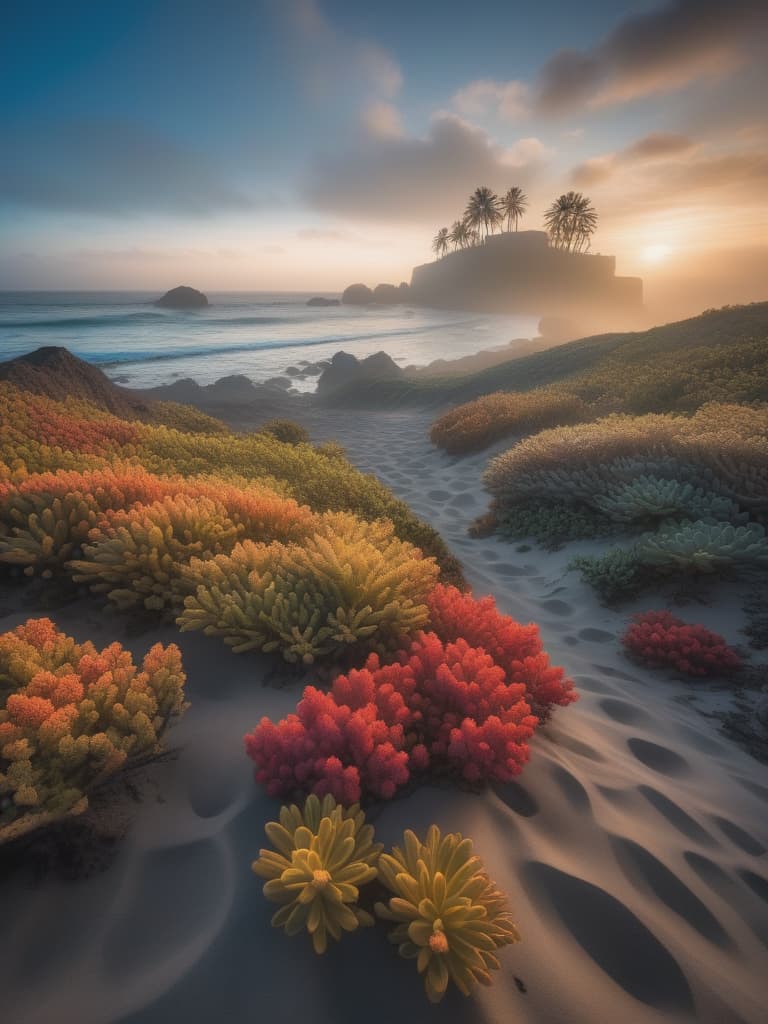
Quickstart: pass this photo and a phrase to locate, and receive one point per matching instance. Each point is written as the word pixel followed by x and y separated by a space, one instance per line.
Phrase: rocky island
pixel 183 297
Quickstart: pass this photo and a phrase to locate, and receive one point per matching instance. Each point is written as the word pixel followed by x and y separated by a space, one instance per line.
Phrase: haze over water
pixel 253 333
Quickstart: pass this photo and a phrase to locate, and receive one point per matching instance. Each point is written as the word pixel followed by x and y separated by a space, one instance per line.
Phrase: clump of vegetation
pixel 704 547
pixel 720 356
pixel 286 431
pixel 71 717
pixel 349 587
pixel 616 576
pixel 477 424
pixel 659 639
pixel 449 916
pixel 439 707
pixel 39 435
pixel 322 855
pixel 553 524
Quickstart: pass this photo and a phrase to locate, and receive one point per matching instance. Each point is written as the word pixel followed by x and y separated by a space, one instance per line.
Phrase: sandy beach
pixel 633 847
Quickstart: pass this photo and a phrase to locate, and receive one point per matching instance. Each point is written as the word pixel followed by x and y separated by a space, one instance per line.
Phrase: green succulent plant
pixel 323 854
pixel 449 916
pixel 554 523
pixel 704 547
pixel 652 497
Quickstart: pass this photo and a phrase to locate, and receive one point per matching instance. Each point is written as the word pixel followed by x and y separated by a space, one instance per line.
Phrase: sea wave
pixel 113 359
pixel 112 320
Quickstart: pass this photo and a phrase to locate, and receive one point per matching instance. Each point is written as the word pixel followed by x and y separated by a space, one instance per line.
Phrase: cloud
pixel 656 146
pixel 507 100
pixel 419 179
pixel 332 62
pixel 383 120
pixel 657 51
pixel 104 168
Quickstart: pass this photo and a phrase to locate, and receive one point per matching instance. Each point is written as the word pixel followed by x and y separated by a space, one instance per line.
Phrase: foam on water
pixel 257 334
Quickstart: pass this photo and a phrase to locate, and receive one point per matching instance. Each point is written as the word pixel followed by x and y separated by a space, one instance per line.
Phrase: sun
pixel 656 253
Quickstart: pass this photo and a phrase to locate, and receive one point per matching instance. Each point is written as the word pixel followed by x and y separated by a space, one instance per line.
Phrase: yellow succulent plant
pixel 322 855
pixel 450 916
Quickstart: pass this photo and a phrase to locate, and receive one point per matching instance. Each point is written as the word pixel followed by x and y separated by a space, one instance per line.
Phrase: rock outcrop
pixel 183 297
pixel 56 373
pixel 346 369
pixel 319 300
pixel 357 295
pixel 520 272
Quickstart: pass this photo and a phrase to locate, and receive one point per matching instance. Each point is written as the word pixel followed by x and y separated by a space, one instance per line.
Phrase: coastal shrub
pixel 448 915
pixel 477 424
pixel 720 356
pixel 437 707
pixel 704 547
pixel 616 576
pixel 349 588
pixel 286 431
pixel 47 517
pixel 649 498
pixel 185 417
pixel 72 716
pixel 722 449
pixel 39 435
pixel 552 524
pixel 134 557
pixel 517 649
pixel 659 639
pixel 322 855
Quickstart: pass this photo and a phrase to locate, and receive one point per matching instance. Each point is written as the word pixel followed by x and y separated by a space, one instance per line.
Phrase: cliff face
pixel 519 272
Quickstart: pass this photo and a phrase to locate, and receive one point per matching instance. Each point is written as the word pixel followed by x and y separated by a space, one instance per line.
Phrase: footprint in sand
pixel 439 495
pixel 517 798
pixel 618 941
pixel 756 883
pixel 505 569
pixel 593 685
pixel 659 759
pixel 645 871
pixel 753 787
pixel 571 788
pixel 556 607
pixel 739 837
pixel 575 746
pixel 465 499
pixel 596 636
pixel 626 714
pixel 676 816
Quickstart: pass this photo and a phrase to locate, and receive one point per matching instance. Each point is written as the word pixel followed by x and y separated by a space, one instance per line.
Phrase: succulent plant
pixel 704 547
pixel 449 916
pixel 652 497
pixel 322 855
pixel 350 587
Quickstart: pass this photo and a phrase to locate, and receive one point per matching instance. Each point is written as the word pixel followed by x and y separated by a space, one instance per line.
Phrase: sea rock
pixel 279 382
pixel 183 297
pixel 320 300
pixel 390 294
pixel 357 295
pixel 346 369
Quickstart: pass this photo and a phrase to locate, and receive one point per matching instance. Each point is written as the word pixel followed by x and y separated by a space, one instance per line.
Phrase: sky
pixel 304 144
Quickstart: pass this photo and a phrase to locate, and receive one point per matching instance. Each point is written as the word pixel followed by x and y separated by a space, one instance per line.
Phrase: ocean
pixel 257 334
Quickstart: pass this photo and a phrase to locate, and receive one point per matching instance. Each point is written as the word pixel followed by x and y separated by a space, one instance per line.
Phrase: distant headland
pixel 545 273
pixel 514 272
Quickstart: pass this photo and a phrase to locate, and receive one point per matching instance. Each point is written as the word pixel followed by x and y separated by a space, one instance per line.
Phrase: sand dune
pixel 633 846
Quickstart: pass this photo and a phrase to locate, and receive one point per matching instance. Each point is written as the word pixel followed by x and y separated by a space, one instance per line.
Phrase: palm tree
pixel 440 242
pixel 460 234
pixel 571 221
pixel 513 205
pixel 483 210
